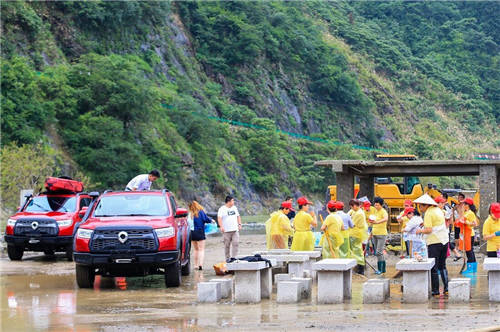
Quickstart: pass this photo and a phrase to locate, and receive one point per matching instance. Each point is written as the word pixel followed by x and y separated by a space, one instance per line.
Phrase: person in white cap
pixel 437 240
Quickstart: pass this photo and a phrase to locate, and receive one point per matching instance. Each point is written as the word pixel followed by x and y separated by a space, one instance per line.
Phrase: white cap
pixel 425 199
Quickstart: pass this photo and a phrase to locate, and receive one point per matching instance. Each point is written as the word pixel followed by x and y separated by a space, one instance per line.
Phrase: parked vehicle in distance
pixel 46 221
pixel 133 233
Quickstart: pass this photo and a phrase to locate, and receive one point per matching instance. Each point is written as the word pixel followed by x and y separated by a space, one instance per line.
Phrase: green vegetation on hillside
pixel 123 87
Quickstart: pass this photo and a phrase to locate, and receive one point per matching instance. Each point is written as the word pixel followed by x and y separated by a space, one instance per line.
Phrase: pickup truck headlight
pixel 83 233
pixel 65 222
pixel 165 232
pixel 11 222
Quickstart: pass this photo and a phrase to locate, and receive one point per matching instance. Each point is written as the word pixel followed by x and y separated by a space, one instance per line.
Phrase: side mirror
pixel 82 212
pixel 94 194
pixel 181 213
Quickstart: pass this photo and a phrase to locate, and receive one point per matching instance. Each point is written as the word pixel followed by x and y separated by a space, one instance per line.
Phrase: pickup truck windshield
pixel 132 205
pixel 51 204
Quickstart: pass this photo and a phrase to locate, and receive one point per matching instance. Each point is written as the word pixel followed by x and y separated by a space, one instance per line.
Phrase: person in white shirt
pixel 143 181
pixel 229 221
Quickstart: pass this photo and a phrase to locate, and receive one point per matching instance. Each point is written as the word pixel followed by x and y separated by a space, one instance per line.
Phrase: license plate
pixel 123 260
pixel 33 241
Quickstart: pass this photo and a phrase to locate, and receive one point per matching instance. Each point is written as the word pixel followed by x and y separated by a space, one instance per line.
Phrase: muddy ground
pixel 40 293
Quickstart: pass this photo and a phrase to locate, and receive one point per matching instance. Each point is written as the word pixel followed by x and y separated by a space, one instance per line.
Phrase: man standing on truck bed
pixel 229 221
pixel 143 181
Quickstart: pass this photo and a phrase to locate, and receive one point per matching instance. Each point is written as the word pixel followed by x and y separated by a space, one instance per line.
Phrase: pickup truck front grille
pixel 36 227
pixel 138 241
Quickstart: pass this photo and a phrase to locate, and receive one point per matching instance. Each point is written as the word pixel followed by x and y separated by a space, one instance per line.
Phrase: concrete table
pixel 492 265
pixel 252 281
pixel 296 263
pixel 416 279
pixel 334 279
pixel 314 256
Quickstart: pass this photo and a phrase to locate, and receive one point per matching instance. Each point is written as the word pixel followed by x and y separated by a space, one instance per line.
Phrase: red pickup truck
pixel 45 223
pixel 133 233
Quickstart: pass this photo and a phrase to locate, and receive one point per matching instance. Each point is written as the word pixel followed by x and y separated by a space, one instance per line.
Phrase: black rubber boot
pixel 444 278
pixel 434 282
pixel 361 269
pixel 379 266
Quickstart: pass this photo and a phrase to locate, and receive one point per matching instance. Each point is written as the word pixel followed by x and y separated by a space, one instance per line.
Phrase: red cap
pixel 366 205
pixel 495 210
pixel 408 202
pixel 408 210
pixel 469 201
pixel 331 205
pixel 286 205
pixel 303 201
pixel 339 205
pixel 440 199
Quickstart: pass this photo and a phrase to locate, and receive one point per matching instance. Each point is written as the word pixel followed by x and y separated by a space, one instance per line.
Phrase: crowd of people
pixel 362 229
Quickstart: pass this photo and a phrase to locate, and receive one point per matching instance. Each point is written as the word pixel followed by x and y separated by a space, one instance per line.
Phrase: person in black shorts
pixel 199 218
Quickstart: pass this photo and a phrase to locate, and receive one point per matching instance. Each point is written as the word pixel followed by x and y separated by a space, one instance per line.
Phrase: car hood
pixel 153 222
pixel 53 215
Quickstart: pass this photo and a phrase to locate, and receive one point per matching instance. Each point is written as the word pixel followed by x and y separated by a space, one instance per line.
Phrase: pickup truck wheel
pixel 173 274
pixel 69 253
pixel 15 253
pixel 85 276
pixel 186 269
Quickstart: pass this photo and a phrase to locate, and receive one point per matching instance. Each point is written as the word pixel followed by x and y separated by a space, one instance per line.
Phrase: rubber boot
pixel 379 268
pixel 435 283
pixel 469 269
pixel 383 267
pixel 444 278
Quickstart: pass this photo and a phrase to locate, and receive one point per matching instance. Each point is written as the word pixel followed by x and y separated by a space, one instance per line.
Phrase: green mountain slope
pixel 119 88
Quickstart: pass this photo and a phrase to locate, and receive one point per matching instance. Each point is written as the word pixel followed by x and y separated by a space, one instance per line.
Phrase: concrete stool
pixel 282 277
pixel 385 281
pixel 459 290
pixel 305 287
pixel 247 280
pixel 334 279
pixel 209 292
pixel 226 285
pixel 374 291
pixel 416 279
pixel 492 265
pixel 295 262
pixel 289 292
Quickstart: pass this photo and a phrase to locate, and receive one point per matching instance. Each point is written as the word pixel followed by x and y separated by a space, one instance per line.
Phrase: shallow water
pixel 41 294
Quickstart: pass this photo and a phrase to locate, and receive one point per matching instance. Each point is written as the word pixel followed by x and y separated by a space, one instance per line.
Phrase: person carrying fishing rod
pixel 358 234
pixel 436 238
pixel 303 238
pixel 332 237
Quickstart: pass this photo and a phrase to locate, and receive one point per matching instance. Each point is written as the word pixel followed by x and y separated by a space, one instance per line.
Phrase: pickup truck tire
pixel 85 276
pixel 173 274
pixel 15 253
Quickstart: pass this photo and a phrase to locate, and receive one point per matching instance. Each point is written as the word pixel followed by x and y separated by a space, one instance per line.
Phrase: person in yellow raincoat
pixel 379 232
pixel 491 231
pixel 278 227
pixel 303 238
pixel 467 224
pixel 332 237
pixel 369 210
pixel 345 248
pixel 358 234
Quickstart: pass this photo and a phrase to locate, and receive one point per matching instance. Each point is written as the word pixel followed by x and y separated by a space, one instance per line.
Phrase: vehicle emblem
pixel 34 225
pixel 122 236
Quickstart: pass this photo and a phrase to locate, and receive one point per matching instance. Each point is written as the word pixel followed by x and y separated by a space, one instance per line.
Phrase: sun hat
pixel 425 199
